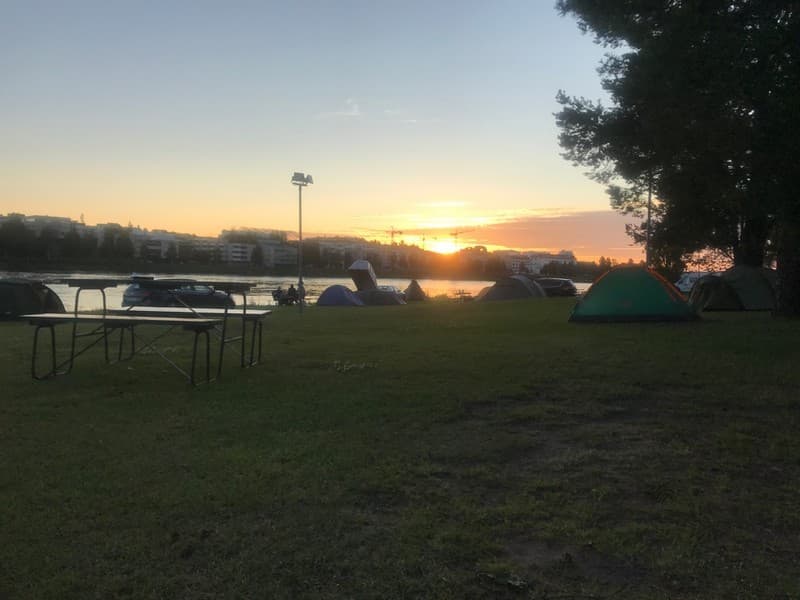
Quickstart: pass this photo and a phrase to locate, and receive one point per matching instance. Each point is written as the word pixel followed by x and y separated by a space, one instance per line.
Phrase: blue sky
pixel 191 116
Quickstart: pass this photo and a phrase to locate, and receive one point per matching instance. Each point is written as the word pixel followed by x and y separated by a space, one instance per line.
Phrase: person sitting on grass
pixel 291 294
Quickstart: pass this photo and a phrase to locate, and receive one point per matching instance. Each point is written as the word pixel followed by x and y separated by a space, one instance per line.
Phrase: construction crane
pixel 393 232
pixel 457 233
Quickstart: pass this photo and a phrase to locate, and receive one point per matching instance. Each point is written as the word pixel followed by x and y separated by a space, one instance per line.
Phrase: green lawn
pixel 431 451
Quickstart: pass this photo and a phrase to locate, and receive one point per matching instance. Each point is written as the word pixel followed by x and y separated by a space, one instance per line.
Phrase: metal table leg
pixel 35 353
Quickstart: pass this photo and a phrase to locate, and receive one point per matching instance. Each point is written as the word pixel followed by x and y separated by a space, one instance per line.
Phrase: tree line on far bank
pixel 21 249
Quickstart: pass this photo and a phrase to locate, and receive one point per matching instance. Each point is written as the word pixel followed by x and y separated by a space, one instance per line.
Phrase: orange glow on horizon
pixel 441 246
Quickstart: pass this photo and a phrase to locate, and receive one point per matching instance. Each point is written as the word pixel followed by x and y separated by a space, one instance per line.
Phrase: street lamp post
pixel 300 180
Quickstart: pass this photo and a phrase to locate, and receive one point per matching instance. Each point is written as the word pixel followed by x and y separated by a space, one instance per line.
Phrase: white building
pixel 237 253
pixel 532 262
pixel 207 246
pixel 278 254
pixel 153 244
pixel 38 223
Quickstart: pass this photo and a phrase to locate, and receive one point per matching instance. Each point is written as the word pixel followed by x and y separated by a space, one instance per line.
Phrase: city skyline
pixel 192 117
pixel 442 242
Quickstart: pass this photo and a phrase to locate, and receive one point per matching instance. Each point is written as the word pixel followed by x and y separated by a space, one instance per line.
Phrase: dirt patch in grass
pixel 625 493
pixel 547 562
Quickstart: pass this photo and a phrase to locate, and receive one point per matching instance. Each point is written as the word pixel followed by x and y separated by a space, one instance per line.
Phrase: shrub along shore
pixel 438 450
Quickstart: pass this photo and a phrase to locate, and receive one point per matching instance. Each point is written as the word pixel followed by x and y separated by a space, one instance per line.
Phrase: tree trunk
pixel 752 242
pixel 788 304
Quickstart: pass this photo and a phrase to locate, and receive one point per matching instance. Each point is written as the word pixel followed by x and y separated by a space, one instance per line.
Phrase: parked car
pixel 557 286
pixel 185 292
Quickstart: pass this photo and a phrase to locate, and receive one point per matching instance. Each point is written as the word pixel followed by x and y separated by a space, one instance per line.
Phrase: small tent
pixel 632 294
pixel 380 297
pixel 25 296
pixel 738 288
pixel 414 292
pixel 516 287
pixel 712 293
pixel 338 295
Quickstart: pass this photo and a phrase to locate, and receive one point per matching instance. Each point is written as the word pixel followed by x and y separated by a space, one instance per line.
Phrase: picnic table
pixel 101 326
pixel 199 320
pixel 248 316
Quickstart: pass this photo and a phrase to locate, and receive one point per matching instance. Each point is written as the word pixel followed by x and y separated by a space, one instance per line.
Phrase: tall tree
pixel 71 244
pixel 257 256
pixel 701 106
pixel 16 240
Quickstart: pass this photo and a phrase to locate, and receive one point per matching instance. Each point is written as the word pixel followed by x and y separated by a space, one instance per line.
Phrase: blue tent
pixel 338 295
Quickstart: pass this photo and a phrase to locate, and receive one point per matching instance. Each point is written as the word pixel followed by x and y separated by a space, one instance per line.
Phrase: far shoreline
pixel 226 271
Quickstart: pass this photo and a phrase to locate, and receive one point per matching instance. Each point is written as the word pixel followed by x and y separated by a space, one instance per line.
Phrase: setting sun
pixel 441 246
pixel 394 157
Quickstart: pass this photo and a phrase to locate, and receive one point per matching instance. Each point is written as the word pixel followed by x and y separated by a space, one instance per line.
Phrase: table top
pixel 196 310
pixel 98 283
pixel 118 319
pixel 89 283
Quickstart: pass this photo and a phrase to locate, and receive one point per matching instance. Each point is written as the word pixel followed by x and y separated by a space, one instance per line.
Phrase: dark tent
pixel 516 287
pixel 380 297
pixel 24 296
pixel 632 294
pixel 338 295
pixel 414 292
pixel 738 288
pixel 712 293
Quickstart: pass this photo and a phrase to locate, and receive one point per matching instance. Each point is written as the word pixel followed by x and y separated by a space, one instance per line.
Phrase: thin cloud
pixel 399 115
pixel 419 121
pixel 448 204
pixel 352 110
pixel 589 233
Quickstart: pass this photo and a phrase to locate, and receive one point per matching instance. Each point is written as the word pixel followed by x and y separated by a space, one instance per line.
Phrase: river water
pixel 262 293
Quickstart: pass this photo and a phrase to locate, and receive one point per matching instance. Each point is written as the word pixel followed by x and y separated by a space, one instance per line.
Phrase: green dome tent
pixel 632 294
pixel 738 288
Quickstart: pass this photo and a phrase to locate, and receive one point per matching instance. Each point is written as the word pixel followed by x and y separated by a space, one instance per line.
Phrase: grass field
pixel 432 451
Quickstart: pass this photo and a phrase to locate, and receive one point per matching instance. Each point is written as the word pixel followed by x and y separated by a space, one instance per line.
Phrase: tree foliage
pixel 703 105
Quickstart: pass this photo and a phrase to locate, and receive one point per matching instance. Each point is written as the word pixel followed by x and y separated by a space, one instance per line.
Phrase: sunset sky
pixel 429 117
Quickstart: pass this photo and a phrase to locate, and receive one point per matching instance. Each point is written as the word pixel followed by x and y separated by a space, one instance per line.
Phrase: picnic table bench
pixel 103 325
pixel 200 320
pixel 248 316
